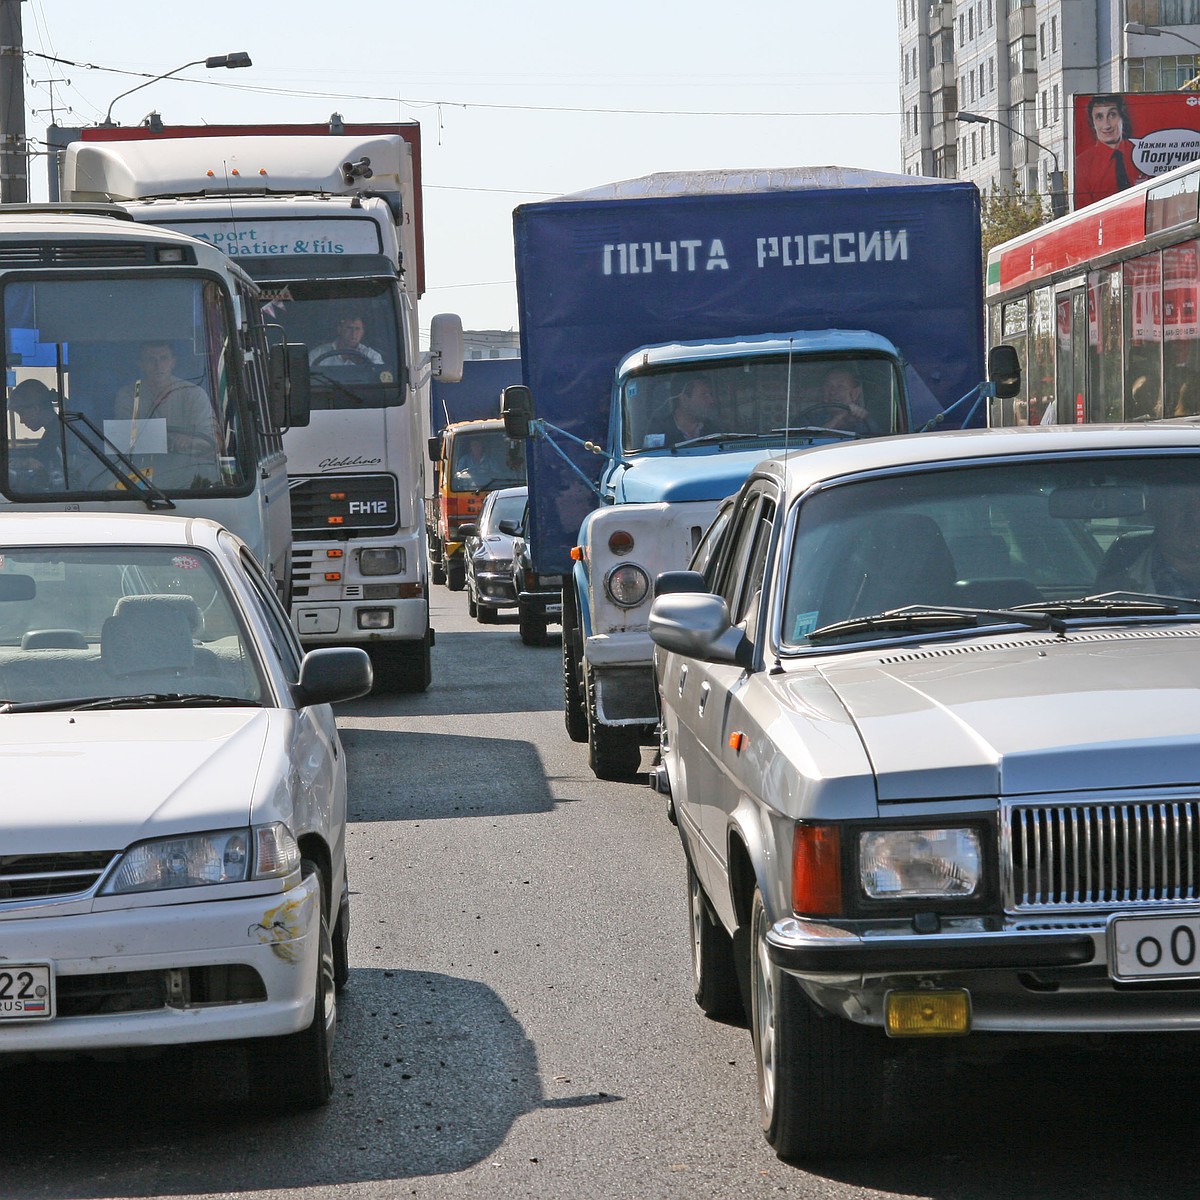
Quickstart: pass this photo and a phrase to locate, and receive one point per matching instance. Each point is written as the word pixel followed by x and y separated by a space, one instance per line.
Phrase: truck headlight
pixel 627 585
pixel 382 560
pixel 203 859
pixel 913 864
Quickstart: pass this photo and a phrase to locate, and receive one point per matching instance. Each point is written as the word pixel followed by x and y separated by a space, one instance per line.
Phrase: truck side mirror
pixel 289 398
pixel 446 348
pixel 434 446
pixel 1004 370
pixel 516 407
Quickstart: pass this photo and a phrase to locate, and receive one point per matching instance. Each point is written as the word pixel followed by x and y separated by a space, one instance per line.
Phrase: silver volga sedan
pixel 931 734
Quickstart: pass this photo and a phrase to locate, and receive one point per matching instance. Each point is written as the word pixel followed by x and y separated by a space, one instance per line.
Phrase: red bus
pixel 1102 308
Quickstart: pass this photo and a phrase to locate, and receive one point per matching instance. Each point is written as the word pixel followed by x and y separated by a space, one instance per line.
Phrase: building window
pixel 1056 104
pixel 1053 34
pixel 991 74
pixel 991 15
pixel 1042 40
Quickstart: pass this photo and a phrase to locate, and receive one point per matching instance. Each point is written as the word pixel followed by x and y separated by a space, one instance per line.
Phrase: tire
pixel 614 751
pixel 714 972
pixel 821 1078
pixel 487 615
pixel 472 605
pixel 437 572
pixel 296 1071
pixel 574 702
pixel 341 945
pixel 456 575
pixel 402 666
pixel 532 627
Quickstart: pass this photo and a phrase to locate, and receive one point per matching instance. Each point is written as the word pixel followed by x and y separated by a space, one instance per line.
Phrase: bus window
pixel 1181 330
pixel 1105 399
pixel 1041 357
pixel 1014 323
pixel 1142 315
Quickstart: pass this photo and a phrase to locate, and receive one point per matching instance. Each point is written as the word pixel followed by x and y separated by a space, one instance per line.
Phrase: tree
pixel 1007 212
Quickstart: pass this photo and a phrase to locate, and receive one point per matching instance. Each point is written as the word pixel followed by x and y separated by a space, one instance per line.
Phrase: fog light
pixel 384 560
pixel 928 1014
pixel 374 618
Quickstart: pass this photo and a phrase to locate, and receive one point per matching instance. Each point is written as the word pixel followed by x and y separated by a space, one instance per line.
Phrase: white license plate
pixel 1158 947
pixel 26 991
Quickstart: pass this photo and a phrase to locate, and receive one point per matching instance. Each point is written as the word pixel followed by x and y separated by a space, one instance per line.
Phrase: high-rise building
pixel 1015 65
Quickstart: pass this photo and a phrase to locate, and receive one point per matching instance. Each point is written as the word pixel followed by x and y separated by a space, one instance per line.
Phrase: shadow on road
pixel 399 776
pixel 440 1072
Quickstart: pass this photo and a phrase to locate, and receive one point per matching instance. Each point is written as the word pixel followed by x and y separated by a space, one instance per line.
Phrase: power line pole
pixel 14 164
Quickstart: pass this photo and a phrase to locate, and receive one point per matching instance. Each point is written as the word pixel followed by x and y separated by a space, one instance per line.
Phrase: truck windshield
pixel 486 460
pixel 350 327
pixel 120 384
pixel 760 397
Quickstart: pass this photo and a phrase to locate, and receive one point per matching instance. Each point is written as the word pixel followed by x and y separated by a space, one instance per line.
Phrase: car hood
pixel 99 781
pixel 702 473
pixel 1098 709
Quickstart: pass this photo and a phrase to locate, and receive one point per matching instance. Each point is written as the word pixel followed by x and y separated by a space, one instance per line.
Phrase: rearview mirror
pixel 698 626
pixel 516 407
pixel 1004 370
pixel 17 587
pixel 289 396
pixel 446 348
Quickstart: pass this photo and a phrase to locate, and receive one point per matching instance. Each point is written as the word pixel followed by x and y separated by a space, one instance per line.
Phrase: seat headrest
pixel 184 604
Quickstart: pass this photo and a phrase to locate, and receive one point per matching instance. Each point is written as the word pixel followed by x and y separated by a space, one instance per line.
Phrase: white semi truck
pixel 327 220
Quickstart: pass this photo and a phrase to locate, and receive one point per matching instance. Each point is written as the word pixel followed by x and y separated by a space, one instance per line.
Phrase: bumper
pixel 621 668
pixel 275 936
pixel 496 591
pixel 1045 981
pixel 547 604
pixel 341 623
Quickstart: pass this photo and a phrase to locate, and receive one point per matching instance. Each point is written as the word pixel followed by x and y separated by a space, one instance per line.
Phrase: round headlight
pixel 627 585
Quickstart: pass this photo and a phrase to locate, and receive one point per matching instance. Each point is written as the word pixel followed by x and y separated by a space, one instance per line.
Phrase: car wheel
pixel 437 573
pixel 821 1078
pixel 296 1070
pixel 532 627
pixel 341 944
pixel 714 972
pixel 574 704
pixel 402 666
pixel 472 604
pixel 614 751
pixel 456 575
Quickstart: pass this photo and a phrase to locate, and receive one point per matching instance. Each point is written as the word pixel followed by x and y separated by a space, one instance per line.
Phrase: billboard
pixel 1121 138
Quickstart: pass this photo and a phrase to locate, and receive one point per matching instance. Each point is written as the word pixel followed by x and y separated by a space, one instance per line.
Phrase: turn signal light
pixel 928 1013
pixel 817 870
pixel 620 541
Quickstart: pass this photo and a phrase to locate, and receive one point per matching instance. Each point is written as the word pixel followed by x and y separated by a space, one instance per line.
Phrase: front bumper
pixel 276 936
pixel 621 668
pixel 1044 980
pixel 495 590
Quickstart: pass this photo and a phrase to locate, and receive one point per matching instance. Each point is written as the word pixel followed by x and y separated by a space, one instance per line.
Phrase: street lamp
pixel 1058 198
pixel 239 58
pixel 1154 31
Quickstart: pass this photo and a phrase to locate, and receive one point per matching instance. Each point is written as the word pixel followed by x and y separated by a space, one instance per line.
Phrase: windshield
pixel 350 328
pixel 101 622
pixel 1031 535
pixel 510 507
pixel 108 377
pixel 485 460
pixel 760 396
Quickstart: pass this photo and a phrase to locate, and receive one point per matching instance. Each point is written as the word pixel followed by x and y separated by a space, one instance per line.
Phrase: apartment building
pixel 1014 66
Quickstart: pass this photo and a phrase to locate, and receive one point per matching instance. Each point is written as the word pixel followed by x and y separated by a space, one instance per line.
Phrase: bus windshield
pixel 760 397
pixel 117 385
pixel 350 327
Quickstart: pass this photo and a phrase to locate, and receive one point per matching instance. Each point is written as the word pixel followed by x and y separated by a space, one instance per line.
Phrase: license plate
pixel 1159 947
pixel 26 992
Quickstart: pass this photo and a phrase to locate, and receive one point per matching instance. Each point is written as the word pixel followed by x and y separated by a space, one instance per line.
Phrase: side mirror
pixel 511 527
pixel 1004 370
pixel 669 583
pixel 468 530
pixel 434 446
pixel 289 398
pixel 332 673
pixel 516 407
pixel 698 626
pixel 446 348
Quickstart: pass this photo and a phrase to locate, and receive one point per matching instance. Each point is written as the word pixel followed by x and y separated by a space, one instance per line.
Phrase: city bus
pixel 1102 308
pixel 138 377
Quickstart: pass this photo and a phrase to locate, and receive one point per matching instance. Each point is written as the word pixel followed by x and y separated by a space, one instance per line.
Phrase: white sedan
pixel 172 867
pixel 931 732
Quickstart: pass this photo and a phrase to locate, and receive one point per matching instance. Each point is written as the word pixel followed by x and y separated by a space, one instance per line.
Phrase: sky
pixel 517 102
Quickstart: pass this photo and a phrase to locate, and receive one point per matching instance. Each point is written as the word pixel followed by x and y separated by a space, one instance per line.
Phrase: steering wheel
pixel 358 355
pixel 819 414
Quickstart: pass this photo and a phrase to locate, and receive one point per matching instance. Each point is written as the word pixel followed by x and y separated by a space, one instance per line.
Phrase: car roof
pixel 797 471
pixel 95 528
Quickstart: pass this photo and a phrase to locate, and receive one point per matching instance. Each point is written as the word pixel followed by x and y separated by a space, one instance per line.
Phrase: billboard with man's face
pixel 1122 138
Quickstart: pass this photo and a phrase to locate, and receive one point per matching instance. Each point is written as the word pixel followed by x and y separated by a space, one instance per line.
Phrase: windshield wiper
pixel 1113 604
pixel 817 431
pixel 710 438
pixel 144 700
pixel 119 466
pixel 357 397
pixel 936 617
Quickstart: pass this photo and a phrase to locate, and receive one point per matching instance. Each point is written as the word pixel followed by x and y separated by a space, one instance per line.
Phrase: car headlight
pixel 911 864
pixel 627 585
pixel 203 859
pixel 383 560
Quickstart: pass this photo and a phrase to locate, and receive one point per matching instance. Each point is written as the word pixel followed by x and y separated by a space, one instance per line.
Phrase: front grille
pixel 144 991
pixel 336 505
pixel 1101 856
pixel 43 876
pixel 80 254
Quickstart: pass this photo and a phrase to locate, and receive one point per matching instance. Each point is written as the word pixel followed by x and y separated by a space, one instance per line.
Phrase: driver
pixel 693 412
pixel 346 349
pixel 842 399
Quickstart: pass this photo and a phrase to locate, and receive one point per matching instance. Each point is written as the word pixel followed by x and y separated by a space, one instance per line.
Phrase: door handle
pixel 683 673
pixel 704 694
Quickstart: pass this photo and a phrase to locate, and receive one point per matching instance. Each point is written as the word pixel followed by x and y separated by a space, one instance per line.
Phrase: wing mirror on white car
pixel 698 626
pixel 332 673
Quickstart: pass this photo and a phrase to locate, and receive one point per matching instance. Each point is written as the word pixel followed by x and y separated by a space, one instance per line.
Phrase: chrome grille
pixel 45 876
pixel 1100 856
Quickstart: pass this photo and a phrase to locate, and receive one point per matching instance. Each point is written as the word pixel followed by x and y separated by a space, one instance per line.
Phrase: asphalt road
pixel 519 1019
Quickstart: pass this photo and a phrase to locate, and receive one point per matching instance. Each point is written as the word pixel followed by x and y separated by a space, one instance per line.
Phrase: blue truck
pixel 678 327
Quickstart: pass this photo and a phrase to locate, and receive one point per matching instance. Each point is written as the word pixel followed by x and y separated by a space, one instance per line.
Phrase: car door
pixel 705 693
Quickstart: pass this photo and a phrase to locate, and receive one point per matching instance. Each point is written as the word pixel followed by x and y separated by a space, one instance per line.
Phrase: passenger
pixel 347 348
pixel 158 394
pixel 35 406
pixel 693 414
